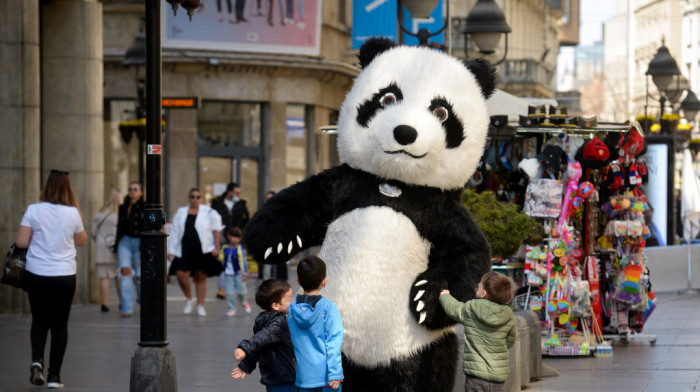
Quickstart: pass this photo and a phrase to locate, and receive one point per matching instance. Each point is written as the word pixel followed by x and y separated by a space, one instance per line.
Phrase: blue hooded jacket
pixel 317 334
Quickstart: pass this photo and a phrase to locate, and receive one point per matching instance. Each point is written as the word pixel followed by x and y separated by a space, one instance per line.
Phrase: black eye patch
pixel 369 108
pixel 454 129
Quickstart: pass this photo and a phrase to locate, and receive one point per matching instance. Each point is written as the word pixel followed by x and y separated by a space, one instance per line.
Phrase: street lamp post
pixel 135 57
pixel 153 363
pixel 485 23
pixel 666 76
pixel 422 9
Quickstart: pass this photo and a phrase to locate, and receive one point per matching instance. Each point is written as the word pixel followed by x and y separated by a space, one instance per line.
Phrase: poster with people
pixel 266 26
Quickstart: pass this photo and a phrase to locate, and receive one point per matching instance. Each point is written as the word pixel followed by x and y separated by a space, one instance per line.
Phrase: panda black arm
pixel 459 257
pixel 294 219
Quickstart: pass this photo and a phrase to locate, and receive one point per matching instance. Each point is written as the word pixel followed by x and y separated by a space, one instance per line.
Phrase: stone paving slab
pixel 101 346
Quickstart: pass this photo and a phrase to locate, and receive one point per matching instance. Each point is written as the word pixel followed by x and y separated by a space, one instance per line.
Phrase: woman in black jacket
pixel 129 247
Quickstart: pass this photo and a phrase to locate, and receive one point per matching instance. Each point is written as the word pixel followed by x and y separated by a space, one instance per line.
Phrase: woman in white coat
pixel 193 245
pixel 104 231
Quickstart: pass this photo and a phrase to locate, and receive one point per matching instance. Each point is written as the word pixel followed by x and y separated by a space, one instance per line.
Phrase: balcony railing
pixel 526 71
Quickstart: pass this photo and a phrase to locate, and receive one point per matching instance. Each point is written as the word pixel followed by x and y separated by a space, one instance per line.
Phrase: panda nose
pixel 405 134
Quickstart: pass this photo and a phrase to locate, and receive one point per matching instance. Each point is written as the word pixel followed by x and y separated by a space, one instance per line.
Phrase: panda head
pixel 415 115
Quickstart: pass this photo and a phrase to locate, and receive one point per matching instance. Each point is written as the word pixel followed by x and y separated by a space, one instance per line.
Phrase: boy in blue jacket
pixel 271 344
pixel 235 271
pixel 317 331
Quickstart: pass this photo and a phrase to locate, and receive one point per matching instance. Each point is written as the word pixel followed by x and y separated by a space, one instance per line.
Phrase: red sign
pixel 182 103
pixel 155 149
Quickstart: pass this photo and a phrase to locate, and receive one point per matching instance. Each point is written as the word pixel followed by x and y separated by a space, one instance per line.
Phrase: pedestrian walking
pixel 51 229
pixel 103 231
pixel 317 331
pixel 271 344
pixel 235 265
pixel 489 331
pixel 193 246
pixel 129 248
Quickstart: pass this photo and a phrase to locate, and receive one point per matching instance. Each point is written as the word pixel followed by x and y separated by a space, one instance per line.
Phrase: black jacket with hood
pixel 272 347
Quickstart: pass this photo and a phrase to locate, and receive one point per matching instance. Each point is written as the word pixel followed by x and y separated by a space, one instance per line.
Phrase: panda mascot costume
pixel 389 221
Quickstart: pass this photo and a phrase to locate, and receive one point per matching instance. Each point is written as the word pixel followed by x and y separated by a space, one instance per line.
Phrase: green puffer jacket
pixel 489 331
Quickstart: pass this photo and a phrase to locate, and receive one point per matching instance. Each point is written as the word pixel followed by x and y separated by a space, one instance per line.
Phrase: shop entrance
pixel 216 172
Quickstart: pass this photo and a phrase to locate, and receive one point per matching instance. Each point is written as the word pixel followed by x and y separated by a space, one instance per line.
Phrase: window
pixel 229 124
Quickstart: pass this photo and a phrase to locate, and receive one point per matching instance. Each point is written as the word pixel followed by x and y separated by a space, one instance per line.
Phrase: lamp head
pixel 486 22
pixel 136 54
pixel 663 69
pixel 690 106
pixel 420 9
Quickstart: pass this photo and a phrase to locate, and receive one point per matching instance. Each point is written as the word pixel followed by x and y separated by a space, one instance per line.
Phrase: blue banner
pixel 373 18
pixel 432 24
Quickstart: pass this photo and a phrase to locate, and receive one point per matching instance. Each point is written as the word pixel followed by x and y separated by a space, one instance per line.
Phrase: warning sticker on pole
pixel 155 149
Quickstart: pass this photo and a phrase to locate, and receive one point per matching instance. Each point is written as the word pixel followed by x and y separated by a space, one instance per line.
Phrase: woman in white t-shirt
pixel 51 229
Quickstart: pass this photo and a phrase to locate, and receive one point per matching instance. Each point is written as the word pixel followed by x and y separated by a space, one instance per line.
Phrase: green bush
pixel 503 225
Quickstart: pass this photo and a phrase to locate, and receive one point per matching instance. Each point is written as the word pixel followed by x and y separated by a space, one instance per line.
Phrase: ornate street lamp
pixel 421 9
pixel 690 106
pixel 485 23
pixel 666 76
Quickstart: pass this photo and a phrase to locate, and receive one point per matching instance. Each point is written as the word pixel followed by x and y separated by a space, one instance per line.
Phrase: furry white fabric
pixel 445 168
pixel 388 249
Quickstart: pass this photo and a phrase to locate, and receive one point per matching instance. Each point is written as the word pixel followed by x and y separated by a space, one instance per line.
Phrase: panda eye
pixel 441 113
pixel 387 99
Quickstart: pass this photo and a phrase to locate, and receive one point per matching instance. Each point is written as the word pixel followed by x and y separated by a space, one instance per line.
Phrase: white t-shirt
pixel 52 247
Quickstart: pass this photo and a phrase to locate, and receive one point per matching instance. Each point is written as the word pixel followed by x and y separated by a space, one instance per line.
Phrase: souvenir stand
pixel 587 278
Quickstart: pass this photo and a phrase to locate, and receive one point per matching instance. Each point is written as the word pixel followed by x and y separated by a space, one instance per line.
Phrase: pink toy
pixel 573 171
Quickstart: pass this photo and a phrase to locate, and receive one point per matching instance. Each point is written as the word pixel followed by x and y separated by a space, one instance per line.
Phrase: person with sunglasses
pixel 51 229
pixel 128 247
pixel 193 245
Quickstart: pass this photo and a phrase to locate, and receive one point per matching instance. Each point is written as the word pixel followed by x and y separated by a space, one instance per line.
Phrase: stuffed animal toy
pixel 389 221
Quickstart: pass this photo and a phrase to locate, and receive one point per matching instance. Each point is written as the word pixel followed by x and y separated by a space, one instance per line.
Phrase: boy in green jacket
pixel 489 331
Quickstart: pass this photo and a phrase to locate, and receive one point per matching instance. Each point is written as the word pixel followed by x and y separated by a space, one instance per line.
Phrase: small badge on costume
pixel 389 190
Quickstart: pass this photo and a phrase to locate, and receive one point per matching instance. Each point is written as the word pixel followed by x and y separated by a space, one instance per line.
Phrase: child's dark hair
pixel 499 288
pixel 271 291
pixel 311 271
pixel 234 232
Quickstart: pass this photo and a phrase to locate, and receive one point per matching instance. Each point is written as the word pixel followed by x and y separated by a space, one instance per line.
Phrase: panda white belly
pixel 373 257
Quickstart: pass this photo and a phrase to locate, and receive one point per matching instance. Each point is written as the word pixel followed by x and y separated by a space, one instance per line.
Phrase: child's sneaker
pixel 54 382
pixel 230 312
pixel 201 311
pixel 189 306
pixel 247 308
pixel 36 372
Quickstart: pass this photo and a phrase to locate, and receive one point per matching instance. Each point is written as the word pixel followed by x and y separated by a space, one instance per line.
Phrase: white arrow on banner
pixel 376 3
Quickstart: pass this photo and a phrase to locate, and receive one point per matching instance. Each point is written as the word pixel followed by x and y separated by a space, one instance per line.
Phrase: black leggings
pixel 50 298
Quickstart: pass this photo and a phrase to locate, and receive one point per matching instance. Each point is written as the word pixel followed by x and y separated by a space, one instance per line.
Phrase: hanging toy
pixel 585 190
pixel 573 175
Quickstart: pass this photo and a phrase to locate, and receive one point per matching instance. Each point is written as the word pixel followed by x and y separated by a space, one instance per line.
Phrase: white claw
pixel 418 295
pixel 422 318
pixel 268 252
pixel 289 247
pixel 299 241
pixel 279 248
pixel 421 283
pixel 420 306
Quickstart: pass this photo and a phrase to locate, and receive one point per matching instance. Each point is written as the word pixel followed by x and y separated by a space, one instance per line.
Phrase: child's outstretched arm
pixel 334 339
pixel 272 333
pixel 453 308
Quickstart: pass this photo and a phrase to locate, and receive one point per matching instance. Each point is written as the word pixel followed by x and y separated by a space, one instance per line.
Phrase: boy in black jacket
pixel 271 344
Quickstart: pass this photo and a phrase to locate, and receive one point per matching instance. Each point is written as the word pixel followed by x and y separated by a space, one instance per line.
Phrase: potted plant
pixel 669 122
pixel 645 122
pixel 504 226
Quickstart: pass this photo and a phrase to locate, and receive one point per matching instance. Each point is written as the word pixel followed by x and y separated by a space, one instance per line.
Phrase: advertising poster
pixel 657 188
pixel 265 26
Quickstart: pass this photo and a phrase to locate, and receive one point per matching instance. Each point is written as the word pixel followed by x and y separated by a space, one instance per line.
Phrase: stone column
pixel 72 96
pixel 20 118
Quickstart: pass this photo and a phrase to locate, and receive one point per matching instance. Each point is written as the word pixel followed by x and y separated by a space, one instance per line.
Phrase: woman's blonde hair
pixel 58 190
pixel 112 202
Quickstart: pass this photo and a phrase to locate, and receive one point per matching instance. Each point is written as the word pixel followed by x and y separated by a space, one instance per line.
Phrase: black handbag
pixel 13 269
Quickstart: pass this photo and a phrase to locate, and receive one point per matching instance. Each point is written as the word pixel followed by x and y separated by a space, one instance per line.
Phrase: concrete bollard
pixel 514 363
pixel 535 336
pixel 525 358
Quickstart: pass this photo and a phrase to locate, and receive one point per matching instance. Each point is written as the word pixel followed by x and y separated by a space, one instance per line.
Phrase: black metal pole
pixel 153 260
pixel 153 364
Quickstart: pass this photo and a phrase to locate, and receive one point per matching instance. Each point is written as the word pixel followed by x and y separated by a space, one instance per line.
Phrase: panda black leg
pixel 430 370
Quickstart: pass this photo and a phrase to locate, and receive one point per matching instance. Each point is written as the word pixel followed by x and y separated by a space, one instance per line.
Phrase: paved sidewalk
pixel 101 345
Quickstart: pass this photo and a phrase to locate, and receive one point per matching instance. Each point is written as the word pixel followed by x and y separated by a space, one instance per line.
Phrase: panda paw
pixel 282 247
pixel 424 298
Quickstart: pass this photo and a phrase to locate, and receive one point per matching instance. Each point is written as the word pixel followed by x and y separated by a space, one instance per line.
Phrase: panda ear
pixel 485 75
pixel 372 48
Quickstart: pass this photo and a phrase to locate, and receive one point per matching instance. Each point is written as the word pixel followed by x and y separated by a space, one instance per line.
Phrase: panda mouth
pixel 407 153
